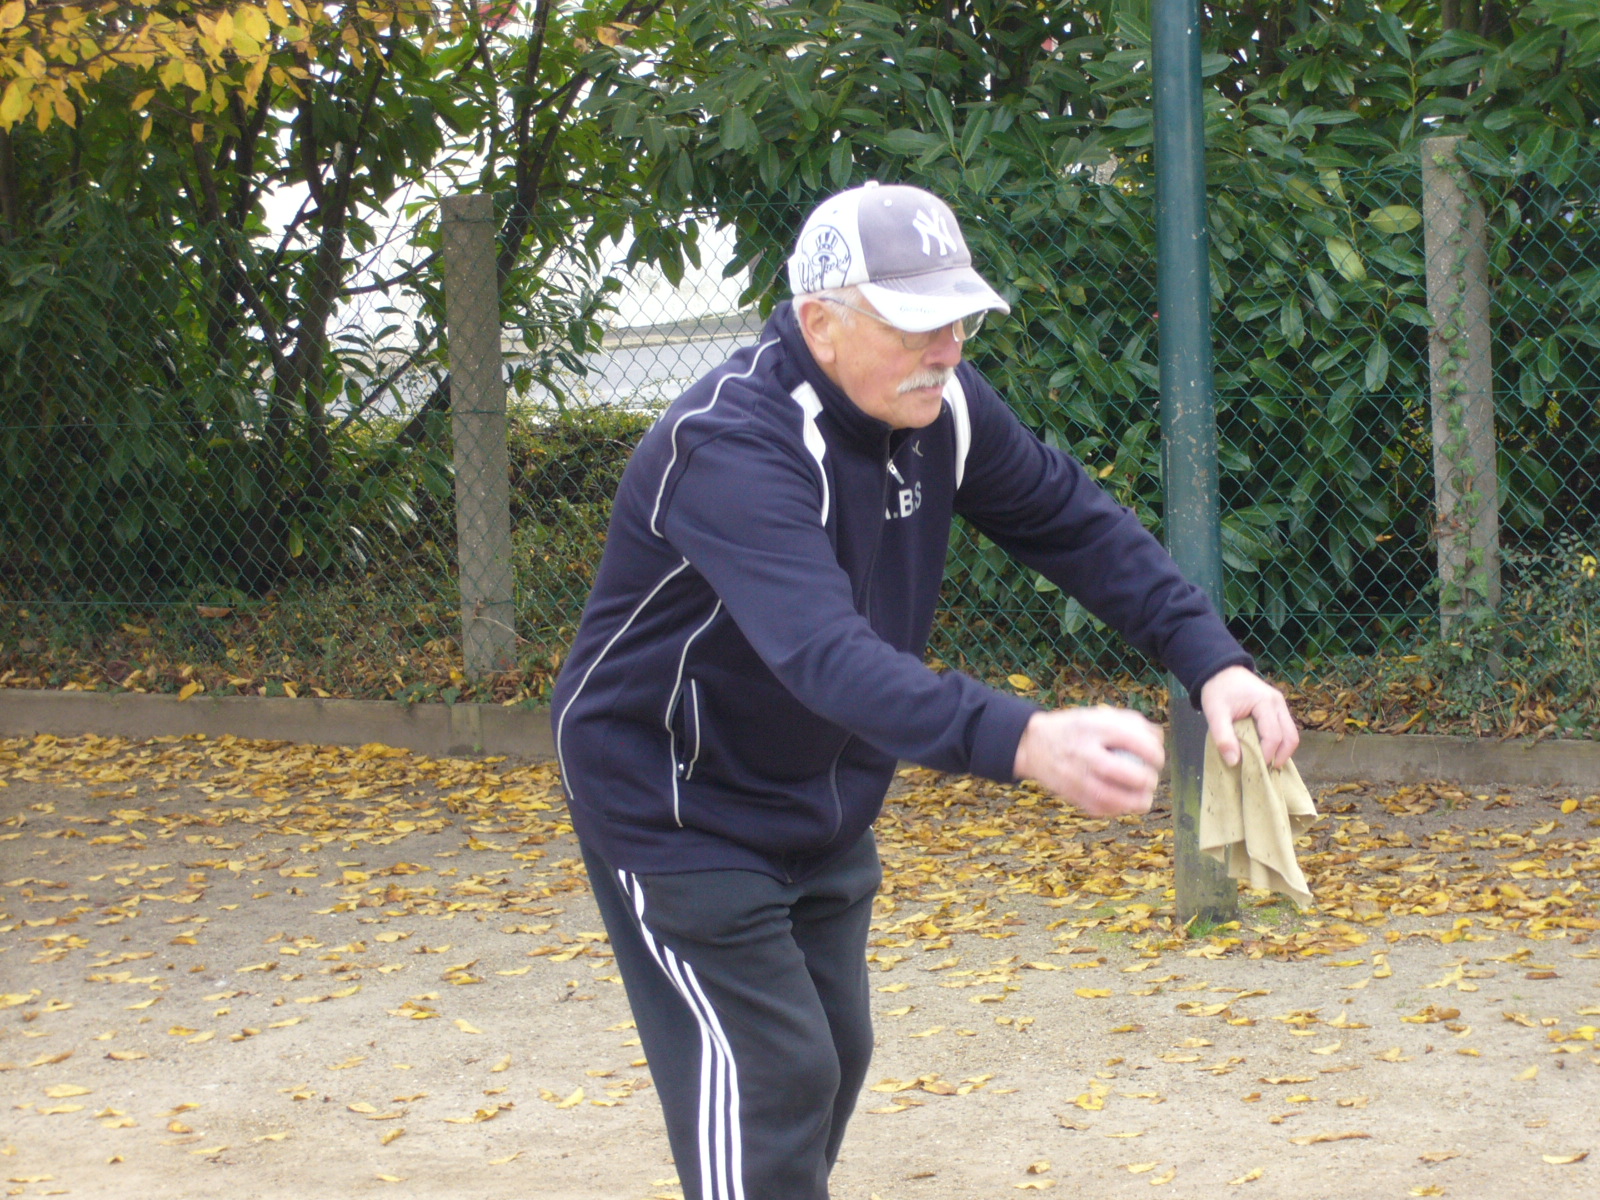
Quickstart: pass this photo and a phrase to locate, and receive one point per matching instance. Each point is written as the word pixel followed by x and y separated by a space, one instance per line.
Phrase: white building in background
pixel 662 337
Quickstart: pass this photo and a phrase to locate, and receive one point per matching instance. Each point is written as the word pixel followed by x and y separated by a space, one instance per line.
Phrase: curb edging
pixel 459 730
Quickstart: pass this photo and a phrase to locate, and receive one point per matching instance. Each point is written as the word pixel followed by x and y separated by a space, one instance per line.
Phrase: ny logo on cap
pixel 932 227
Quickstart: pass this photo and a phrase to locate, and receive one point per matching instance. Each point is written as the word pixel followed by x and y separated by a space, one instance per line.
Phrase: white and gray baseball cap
pixel 902 247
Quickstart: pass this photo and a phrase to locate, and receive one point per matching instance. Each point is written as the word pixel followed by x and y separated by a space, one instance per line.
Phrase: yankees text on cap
pixel 902 247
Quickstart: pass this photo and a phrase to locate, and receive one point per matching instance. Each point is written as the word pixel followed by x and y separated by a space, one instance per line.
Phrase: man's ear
pixel 820 329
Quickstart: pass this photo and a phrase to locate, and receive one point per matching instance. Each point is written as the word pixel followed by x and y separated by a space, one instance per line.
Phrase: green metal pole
pixel 1188 412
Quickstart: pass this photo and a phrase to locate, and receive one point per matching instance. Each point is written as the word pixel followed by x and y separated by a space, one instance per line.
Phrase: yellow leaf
pixel 194 76
pixel 1165 1177
pixel 1092 993
pixel 254 22
pixel 1317 1139
pixel 1426 1189
pixel 1141 1168
pixel 390 1178
pixel 1021 682
pixel 1250 1176
pixel 390 1135
pixel 1569 806
pixel 59 1109
pixel 14 104
pixel 11 16
pixel 1565 1160
pixel 502 1065
pixel 192 688
pixel 500 1162
pixel 1530 1073
pixel 361 1106
pixel 62 1091
pixel 126 1055
pixel 1042 1167
pixel 1329 1049
pixel 467 1026
pixel 572 1101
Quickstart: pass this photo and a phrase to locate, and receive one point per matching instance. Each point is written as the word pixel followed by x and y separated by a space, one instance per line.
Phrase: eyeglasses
pixel 961 329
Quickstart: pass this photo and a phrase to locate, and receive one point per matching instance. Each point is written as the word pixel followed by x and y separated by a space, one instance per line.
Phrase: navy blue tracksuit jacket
pixel 749 665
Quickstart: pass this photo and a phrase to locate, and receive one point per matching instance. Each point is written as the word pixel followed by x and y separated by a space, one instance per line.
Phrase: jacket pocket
pixel 689 751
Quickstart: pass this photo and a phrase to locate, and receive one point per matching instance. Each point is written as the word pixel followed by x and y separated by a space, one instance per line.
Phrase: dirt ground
pixel 258 970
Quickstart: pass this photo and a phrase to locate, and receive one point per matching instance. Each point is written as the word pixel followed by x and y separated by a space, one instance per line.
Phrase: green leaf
pixel 1322 293
pixel 1345 259
pixel 1394 218
pixel 1377 372
pixel 1302 191
pixel 1291 321
pixel 907 142
pixel 839 162
pixel 939 106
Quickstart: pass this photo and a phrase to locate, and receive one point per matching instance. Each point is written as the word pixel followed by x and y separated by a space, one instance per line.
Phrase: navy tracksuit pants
pixel 751 999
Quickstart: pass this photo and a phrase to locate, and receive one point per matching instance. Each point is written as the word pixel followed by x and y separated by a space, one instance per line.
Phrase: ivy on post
pixel 1465 480
pixel 478 427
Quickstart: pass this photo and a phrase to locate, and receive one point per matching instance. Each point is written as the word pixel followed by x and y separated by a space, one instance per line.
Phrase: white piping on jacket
pixel 716 392
pixel 811 405
pixel 561 721
pixel 956 397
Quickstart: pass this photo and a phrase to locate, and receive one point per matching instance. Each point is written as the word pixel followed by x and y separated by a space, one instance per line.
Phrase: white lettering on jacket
pixel 904 502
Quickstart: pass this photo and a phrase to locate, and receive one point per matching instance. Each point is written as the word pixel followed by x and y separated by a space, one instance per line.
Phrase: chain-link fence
pixel 186 505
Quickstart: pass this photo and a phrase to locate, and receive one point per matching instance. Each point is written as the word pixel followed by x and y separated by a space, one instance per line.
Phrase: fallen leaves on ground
pixel 309 824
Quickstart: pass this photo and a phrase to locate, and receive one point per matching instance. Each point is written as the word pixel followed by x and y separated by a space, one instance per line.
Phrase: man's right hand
pixel 1074 753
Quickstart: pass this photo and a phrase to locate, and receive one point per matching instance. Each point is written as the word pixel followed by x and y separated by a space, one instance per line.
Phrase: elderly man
pixel 749 670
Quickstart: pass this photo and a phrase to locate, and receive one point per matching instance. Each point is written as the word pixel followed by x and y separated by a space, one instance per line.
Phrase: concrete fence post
pixel 478 427
pixel 1465 477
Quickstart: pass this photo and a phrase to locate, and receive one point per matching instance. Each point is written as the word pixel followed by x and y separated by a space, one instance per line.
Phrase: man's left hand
pixel 1237 692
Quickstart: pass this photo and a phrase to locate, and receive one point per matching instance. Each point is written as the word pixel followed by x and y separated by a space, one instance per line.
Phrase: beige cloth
pixel 1251 814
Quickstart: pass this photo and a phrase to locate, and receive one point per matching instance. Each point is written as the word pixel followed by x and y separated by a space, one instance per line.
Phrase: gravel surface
pixel 257 970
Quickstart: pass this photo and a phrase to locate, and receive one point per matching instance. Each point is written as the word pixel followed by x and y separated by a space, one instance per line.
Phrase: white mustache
pixel 930 377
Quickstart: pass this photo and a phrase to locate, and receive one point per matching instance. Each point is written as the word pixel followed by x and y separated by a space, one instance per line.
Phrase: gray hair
pixel 846 300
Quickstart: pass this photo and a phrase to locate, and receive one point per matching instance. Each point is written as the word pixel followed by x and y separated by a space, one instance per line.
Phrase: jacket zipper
pixel 883 507
pixel 872 566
